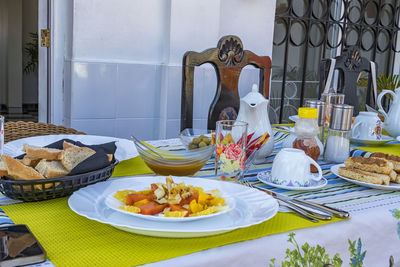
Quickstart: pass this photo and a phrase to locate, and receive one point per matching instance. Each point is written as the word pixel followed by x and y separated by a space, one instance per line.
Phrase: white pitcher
pixel 254 110
pixel 392 118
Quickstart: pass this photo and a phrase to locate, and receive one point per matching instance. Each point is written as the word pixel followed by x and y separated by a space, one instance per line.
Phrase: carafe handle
pixel 379 102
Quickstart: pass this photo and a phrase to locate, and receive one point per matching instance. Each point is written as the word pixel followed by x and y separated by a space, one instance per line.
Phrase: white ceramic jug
pixel 392 118
pixel 254 110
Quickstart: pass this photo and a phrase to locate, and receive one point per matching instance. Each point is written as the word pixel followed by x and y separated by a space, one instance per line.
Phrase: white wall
pixel 126 60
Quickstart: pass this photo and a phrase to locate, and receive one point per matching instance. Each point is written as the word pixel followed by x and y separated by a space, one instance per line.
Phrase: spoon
pixel 138 142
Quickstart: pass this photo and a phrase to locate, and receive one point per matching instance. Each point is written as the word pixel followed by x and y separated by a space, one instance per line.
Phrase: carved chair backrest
pixel 228 59
pixel 350 64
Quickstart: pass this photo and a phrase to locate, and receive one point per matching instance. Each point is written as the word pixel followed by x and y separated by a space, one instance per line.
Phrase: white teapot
pixel 392 118
pixel 254 110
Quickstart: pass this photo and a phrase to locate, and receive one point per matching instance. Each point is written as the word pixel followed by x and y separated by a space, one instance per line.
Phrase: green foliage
pixel 396 213
pixel 307 256
pixel 387 82
pixel 383 82
pixel 32 52
pixel 356 256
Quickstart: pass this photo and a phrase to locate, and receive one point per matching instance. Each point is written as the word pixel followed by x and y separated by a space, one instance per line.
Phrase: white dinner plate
pixel 252 207
pixel 114 204
pixel 265 177
pixel 125 148
pixel 391 186
pixel 385 139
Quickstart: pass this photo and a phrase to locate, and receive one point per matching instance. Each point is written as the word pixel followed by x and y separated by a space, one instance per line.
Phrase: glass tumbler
pixel 231 141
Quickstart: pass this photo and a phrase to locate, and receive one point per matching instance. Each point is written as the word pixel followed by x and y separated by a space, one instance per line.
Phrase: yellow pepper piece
pixel 121 195
pixel 175 213
pixel 195 207
pixel 208 211
pixel 216 201
pixel 141 202
pixel 130 209
pixel 204 198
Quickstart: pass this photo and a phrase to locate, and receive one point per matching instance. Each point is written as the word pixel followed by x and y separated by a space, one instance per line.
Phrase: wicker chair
pixel 21 129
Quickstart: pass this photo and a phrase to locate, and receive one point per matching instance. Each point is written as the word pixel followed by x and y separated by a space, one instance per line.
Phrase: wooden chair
pixel 228 59
pixel 21 129
pixel 350 64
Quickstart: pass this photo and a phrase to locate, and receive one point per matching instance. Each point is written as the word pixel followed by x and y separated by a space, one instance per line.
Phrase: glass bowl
pixel 189 134
pixel 177 163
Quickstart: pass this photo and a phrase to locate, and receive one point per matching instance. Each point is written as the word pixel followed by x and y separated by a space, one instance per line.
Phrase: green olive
pixel 196 140
pixel 206 140
pixel 202 144
pixel 192 146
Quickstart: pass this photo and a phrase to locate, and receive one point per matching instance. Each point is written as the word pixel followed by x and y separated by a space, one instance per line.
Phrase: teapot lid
pixel 254 97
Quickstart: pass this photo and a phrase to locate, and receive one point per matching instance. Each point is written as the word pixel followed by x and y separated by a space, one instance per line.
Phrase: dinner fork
pixel 302 211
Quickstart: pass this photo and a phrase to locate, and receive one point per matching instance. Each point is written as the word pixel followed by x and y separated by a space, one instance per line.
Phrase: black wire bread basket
pixel 44 189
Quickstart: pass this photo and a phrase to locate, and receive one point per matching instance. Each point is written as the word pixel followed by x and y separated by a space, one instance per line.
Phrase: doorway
pixel 19 60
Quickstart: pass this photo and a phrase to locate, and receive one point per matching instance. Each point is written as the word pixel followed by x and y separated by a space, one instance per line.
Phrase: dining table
pixel 369 237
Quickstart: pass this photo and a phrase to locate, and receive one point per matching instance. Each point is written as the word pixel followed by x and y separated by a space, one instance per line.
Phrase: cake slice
pixel 41 152
pixel 51 169
pixel 364 176
pixel 72 156
pixel 395 160
pixel 377 165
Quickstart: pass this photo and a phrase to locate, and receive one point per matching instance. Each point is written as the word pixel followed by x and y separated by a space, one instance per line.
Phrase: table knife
pixel 337 212
pixel 322 214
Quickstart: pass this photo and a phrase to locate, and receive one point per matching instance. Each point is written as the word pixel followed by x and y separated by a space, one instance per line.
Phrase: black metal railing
pixel 307 31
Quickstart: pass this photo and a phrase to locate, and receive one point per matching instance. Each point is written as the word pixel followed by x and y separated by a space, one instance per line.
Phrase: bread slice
pixel 72 156
pixel 3 168
pixel 395 160
pixel 364 176
pixel 51 169
pixel 41 152
pixel 68 145
pixel 377 165
pixel 19 171
pixel 30 161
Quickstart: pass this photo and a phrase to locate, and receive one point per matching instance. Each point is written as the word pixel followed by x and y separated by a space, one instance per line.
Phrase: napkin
pixel 95 162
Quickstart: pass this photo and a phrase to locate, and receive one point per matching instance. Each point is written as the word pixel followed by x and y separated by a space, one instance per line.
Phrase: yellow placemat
pixel 72 240
pixel 393 149
pixel 134 166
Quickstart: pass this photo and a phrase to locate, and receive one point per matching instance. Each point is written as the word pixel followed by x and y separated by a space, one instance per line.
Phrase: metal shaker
pixel 337 146
pixel 331 99
pixel 321 110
